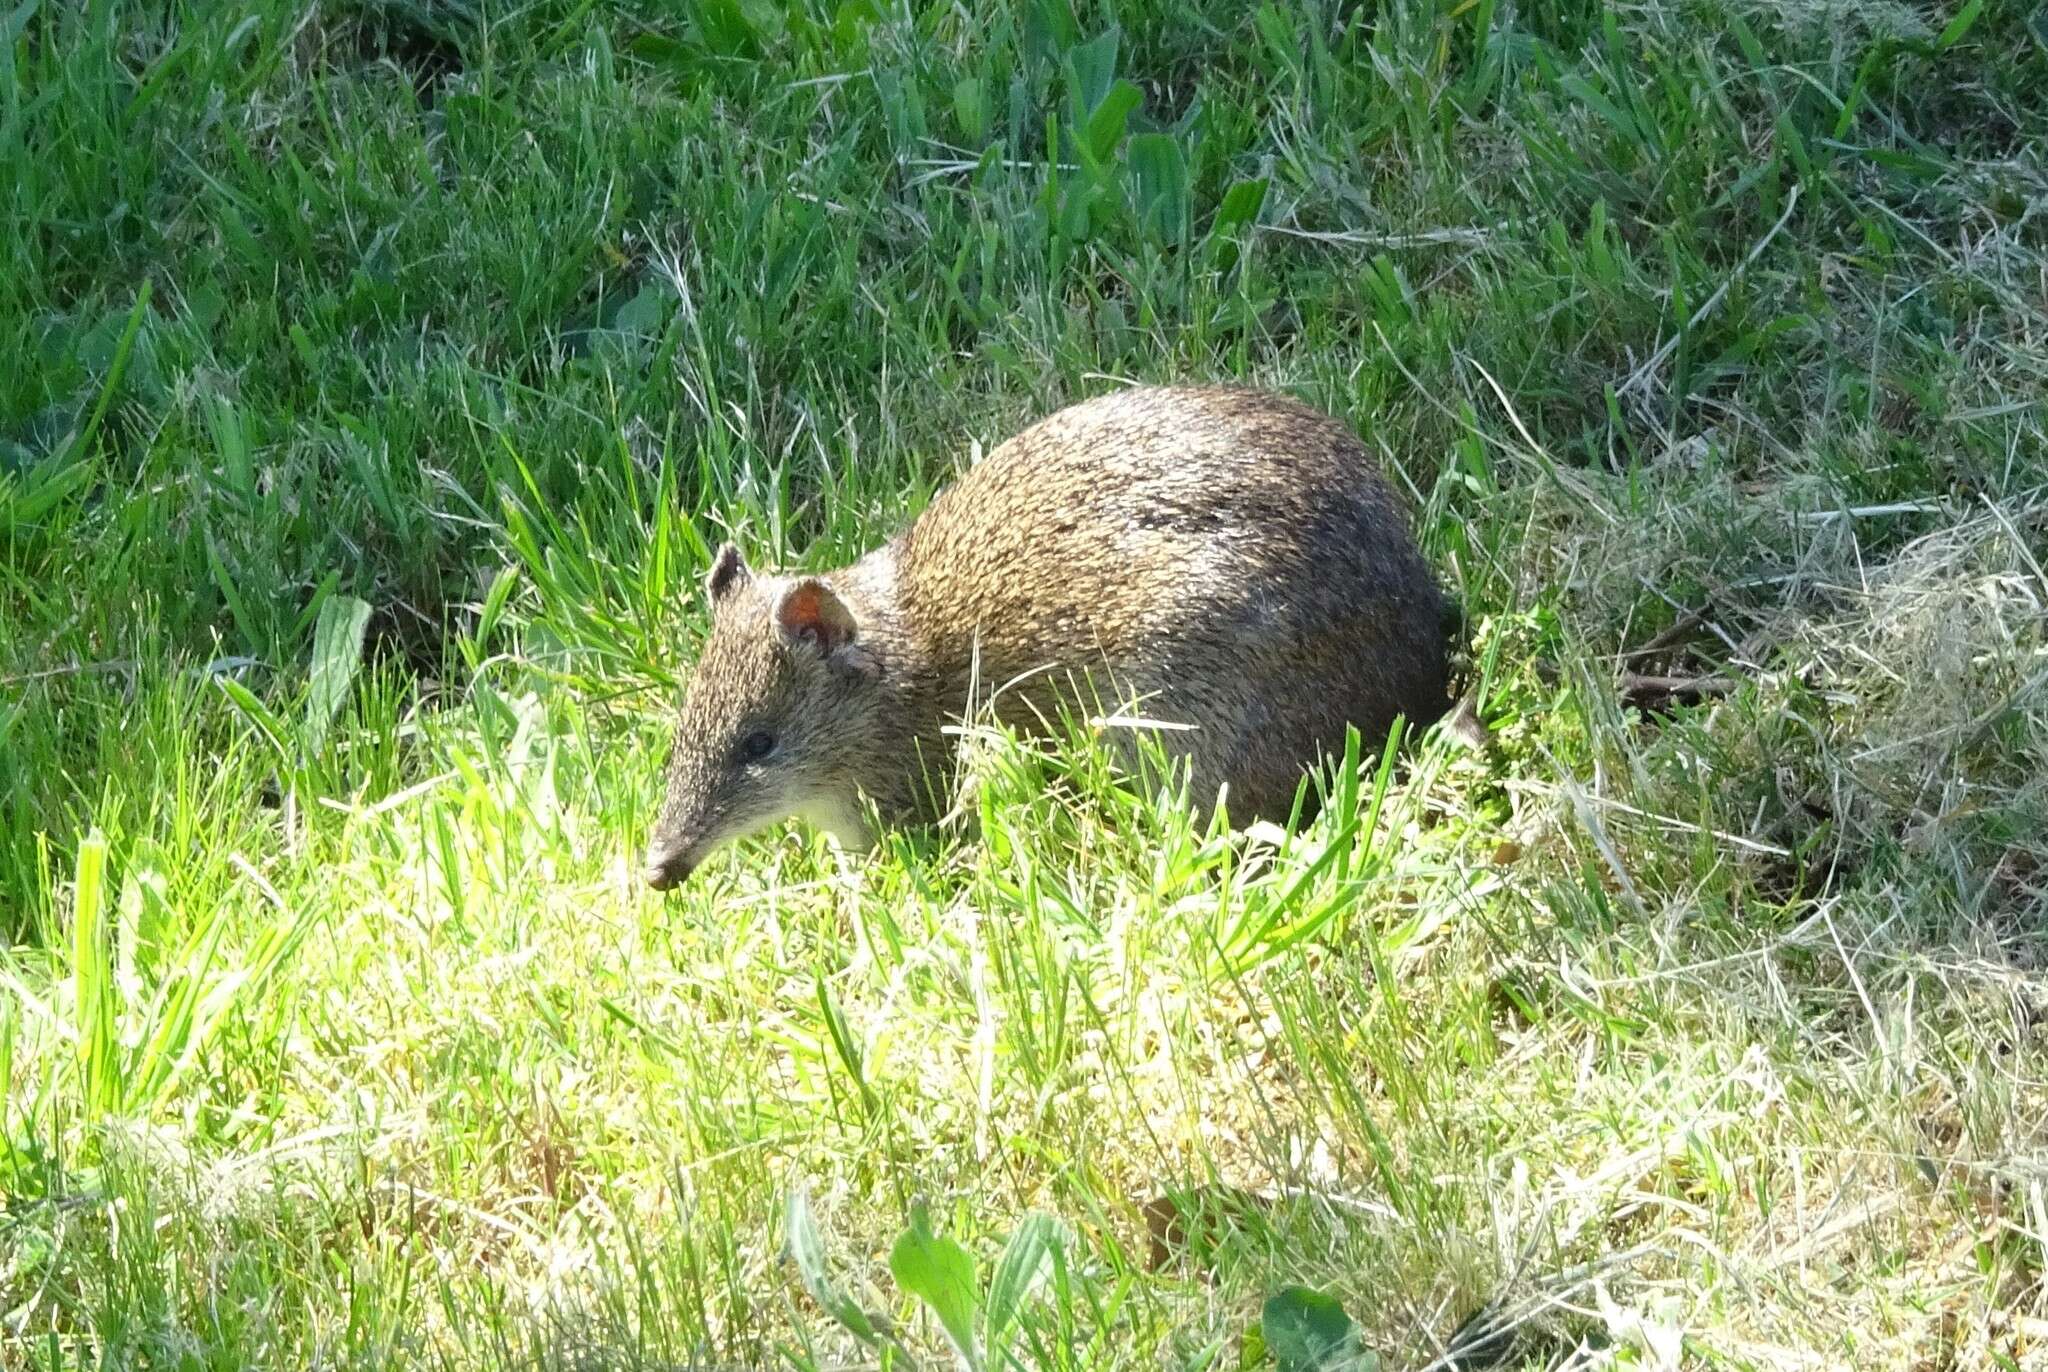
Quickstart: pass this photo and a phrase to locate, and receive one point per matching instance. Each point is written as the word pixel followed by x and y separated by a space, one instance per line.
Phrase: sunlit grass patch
pixel 381 375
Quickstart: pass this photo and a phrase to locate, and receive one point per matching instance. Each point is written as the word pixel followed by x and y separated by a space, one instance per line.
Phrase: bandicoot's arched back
pixel 1230 556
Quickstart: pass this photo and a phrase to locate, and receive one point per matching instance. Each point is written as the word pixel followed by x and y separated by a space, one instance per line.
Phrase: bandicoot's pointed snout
pixel 667 873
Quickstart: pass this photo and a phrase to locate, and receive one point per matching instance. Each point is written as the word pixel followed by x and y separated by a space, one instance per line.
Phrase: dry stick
pixel 1664 351
pixel 1635 685
pixel 1671 636
pixel 1897 507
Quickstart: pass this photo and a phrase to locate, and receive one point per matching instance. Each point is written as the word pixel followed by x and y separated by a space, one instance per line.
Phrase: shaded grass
pixel 1712 330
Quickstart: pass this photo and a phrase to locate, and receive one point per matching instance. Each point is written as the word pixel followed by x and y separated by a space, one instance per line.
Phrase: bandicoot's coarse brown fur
pixel 1227 559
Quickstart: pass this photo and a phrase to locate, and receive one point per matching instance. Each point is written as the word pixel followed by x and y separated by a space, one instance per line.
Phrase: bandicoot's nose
pixel 667 873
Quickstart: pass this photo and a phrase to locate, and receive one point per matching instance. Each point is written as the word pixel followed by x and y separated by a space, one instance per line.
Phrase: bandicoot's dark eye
pixel 757 745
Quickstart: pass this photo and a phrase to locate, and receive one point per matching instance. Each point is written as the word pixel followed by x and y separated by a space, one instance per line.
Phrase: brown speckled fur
pixel 1229 555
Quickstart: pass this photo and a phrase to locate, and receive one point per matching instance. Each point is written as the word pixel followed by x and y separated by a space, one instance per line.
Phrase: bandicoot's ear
pixel 729 571
pixel 809 611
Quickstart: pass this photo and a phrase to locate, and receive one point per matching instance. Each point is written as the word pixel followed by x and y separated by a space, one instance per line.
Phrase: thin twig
pixel 1419 238
pixel 124 664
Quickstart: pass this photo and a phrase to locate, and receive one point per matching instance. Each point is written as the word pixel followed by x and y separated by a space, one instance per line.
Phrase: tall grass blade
pixel 1025 1263
pixel 92 979
pixel 807 1251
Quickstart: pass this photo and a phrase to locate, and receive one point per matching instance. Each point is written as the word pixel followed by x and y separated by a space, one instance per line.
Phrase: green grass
pixel 380 373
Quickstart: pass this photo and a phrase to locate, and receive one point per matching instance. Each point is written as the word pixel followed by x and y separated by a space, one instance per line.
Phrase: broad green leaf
pixel 1049 30
pixel 940 1273
pixel 1240 205
pixel 1091 67
pixel 971 109
pixel 662 49
pixel 337 654
pixel 15 23
pixel 725 29
pixel 851 21
pixel 1237 212
pixel 645 315
pixel 1074 211
pixel 1960 26
pixel 1160 186
pixel 1309 1332
pixel 1106 123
